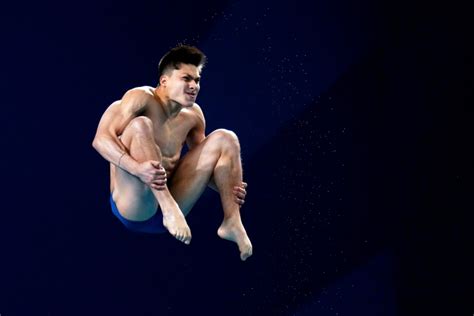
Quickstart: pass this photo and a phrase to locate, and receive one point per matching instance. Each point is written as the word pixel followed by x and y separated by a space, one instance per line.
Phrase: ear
pixel 163 80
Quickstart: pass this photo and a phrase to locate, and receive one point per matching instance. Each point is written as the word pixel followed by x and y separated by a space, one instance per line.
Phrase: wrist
pixel 120 159
pixel 127 163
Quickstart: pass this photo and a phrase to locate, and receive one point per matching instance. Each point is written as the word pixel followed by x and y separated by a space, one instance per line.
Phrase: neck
pixel 170 107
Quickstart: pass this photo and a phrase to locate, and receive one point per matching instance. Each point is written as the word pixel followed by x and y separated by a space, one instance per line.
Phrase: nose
pixel 193 85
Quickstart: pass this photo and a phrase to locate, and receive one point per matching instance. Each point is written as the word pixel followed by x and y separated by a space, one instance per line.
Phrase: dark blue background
pixel 356 142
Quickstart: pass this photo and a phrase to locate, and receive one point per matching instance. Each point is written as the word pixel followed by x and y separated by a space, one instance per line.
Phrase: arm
pixel 112 124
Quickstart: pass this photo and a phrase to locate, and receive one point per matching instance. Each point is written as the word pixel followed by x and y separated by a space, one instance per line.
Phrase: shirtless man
pixel 141 135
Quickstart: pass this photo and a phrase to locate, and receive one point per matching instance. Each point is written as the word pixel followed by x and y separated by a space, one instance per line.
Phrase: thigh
pixel 193 173
pixel 134 199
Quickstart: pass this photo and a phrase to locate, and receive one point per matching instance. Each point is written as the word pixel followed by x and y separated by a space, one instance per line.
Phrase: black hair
pixel 182 54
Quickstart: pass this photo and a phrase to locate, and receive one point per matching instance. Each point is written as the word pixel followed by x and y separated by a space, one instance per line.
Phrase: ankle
pixel 232 217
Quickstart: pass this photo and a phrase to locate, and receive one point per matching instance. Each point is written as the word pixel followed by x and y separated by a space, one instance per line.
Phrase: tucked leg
pixel 136 200
pixel 218 156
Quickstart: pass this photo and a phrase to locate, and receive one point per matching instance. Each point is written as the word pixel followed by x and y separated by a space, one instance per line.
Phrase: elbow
pixel 96 143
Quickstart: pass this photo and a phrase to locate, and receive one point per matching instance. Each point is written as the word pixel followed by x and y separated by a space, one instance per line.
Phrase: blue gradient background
pixel 355 131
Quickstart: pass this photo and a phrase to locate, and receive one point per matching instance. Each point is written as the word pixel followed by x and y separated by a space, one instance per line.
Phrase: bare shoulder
pixel 195 115
pixel 197 111
pixel 137 99
pixel 144 93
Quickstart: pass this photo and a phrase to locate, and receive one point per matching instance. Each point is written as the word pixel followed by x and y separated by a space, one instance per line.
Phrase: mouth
pixel 192 94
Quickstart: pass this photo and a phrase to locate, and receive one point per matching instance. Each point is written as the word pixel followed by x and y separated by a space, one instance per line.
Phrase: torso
pixel 170 133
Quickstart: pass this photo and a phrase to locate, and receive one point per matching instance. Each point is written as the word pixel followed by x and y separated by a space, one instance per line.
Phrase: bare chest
pixel 170 133
pixel 171 137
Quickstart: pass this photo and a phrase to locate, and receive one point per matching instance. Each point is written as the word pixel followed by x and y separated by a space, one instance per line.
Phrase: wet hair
pixel 182 54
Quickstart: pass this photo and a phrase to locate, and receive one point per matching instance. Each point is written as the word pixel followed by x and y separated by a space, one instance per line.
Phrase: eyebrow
pixel 188 75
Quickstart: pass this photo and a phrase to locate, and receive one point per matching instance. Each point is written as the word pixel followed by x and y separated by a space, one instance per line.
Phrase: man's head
pixel 179 73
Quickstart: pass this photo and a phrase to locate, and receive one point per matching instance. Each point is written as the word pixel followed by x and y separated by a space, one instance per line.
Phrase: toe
pixel 245 254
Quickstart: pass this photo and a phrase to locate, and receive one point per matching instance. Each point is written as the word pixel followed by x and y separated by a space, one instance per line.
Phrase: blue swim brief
pixel 153 225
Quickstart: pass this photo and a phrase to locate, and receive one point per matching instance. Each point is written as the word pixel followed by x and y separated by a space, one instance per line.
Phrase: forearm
pixel 112 150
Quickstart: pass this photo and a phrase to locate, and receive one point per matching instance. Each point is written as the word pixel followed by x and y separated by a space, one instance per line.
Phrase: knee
pixel 226 138
pixel 141 125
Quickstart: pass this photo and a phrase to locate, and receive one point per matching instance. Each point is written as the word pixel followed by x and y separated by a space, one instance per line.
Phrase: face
pixel 182 84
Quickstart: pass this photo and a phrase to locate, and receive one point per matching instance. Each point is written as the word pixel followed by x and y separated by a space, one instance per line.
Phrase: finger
pixel 161 177
pixel 159 181
pixel 158 172
pixel 241 196
pixel 159 186
pixel 155 163
pixel 239 201
pixel 161 170
pixel 240 191
pixel 244 185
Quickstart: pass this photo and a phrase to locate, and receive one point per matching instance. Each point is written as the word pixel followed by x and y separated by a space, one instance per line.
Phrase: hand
pixel 153 174
pixel 240 193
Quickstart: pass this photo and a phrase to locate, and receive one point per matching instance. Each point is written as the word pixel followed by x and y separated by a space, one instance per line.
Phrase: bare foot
pixel 232 229
pixel 176 224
